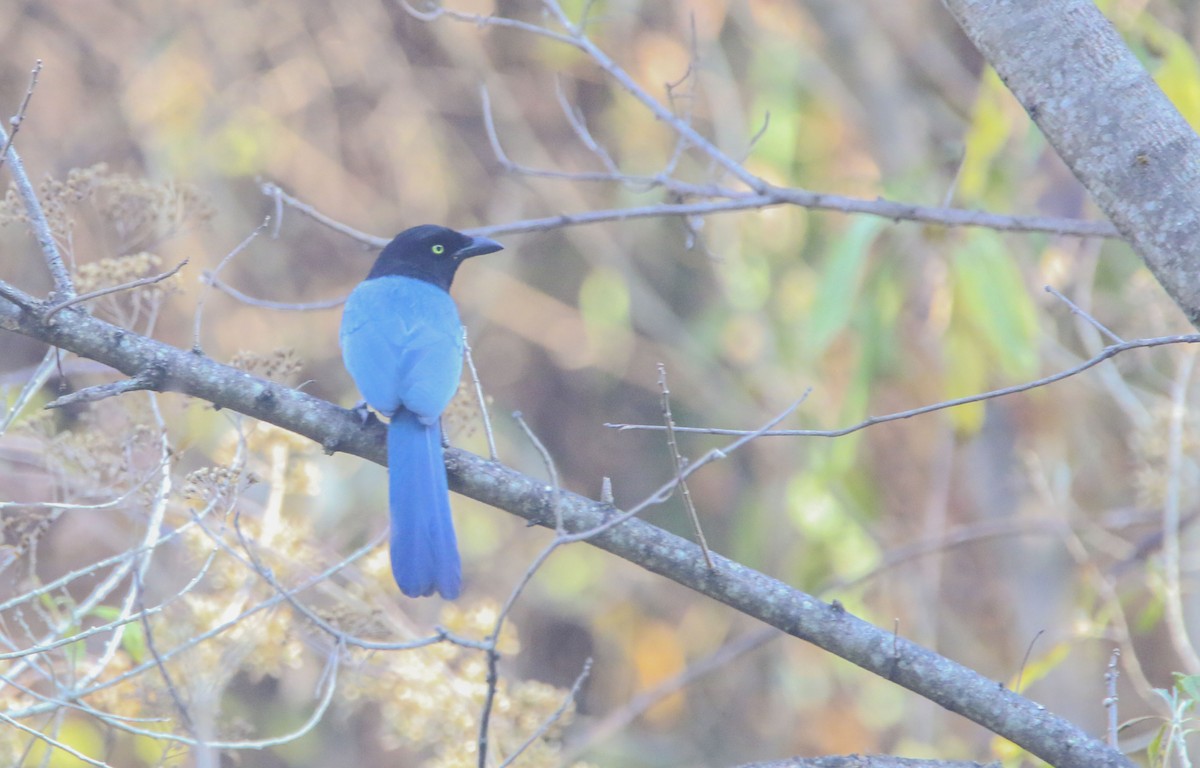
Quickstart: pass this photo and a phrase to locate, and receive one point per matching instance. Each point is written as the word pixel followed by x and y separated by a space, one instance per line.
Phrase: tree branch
pixel 953 686
pixel 1107 119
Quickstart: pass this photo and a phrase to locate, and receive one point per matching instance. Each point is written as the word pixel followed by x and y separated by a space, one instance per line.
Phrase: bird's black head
pixel 430 253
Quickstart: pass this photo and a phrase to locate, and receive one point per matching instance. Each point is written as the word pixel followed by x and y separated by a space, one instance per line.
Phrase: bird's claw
pixel 364 413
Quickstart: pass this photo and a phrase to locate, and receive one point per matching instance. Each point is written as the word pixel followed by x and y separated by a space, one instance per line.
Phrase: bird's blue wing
pixel 402 344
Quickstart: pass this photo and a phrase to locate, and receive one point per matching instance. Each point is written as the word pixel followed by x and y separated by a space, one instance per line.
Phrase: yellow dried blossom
pixel 207 484
pixel 141 212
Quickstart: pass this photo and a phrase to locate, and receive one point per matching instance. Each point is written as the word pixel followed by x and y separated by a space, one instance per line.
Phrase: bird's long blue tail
pixel 424 550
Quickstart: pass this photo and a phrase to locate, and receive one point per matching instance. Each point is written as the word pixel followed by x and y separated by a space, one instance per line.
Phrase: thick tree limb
pixel 959 689
pixel 1107 119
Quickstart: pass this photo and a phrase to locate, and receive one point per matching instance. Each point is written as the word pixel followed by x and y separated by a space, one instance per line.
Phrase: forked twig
pixel 228 257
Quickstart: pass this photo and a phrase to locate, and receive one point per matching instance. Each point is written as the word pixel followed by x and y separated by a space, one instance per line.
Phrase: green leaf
pixel 992 298
pixel 133 635
pixel 993 122
pixel 1189 685
pixel 1155 749
pixel 840 284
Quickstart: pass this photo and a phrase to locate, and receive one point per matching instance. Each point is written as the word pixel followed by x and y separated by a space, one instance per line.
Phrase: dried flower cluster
pixel 235 532
pixel 139 211
pixel 281 365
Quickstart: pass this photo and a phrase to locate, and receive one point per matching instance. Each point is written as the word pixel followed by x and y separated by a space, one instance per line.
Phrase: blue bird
pixel 402 342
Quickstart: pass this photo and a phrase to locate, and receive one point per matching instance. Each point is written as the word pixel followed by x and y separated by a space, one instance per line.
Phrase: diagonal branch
pixel 64 288
pixel 829 626
pixel 1108 120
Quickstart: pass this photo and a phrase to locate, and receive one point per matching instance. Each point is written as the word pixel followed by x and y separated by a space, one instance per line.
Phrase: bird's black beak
pixel 477 247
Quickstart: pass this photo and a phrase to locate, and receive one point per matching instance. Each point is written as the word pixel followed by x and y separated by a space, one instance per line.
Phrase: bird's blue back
pixel 402 343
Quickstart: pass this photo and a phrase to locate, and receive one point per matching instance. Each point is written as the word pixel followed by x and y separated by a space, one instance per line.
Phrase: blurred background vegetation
pixel 1017 537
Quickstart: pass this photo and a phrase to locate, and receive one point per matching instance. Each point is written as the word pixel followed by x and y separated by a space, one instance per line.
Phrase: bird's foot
pixel 364 413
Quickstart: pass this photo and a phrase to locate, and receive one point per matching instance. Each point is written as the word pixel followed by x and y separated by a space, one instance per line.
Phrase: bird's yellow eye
pixel 439 249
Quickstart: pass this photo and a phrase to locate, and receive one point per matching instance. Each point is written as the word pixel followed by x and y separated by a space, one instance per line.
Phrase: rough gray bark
pixel 1107 119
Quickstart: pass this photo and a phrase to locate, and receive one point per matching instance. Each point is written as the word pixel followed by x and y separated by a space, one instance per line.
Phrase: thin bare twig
pixel 1111 377
pixel 35 382
pixel 561 538
pixel 490 21
pixel 212 281
pixel 64 288
pixel 1105 354
pixel 253 562
pixel 493 638
pixel 16 120
pixel 554 716
pixel 276 193
pixel 479 398
pixel 682 143
pixel 680 463
pixel 52 742
pixel 617 720
pixel 757 136
pixel 1092 321
pixel 580 40
pixel 102 391
pixel 1173 599
pixel 1111 700
pixel 547 459
pixel 140 282
pixel 1111 601
pixel 958 537
pixel 947 217
pixel 1025 659
pixel 196 640
pixel 730 201
pixel 579 126
pixel 326 684
pixel 613 175
pixel 200 299
pixel 152 648
pixel 664 492
pixel 17 296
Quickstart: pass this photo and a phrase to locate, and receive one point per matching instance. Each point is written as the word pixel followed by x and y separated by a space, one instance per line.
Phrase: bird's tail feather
pixel 424 550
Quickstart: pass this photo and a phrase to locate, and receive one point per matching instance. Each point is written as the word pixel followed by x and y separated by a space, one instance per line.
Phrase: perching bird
pixel 402 343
